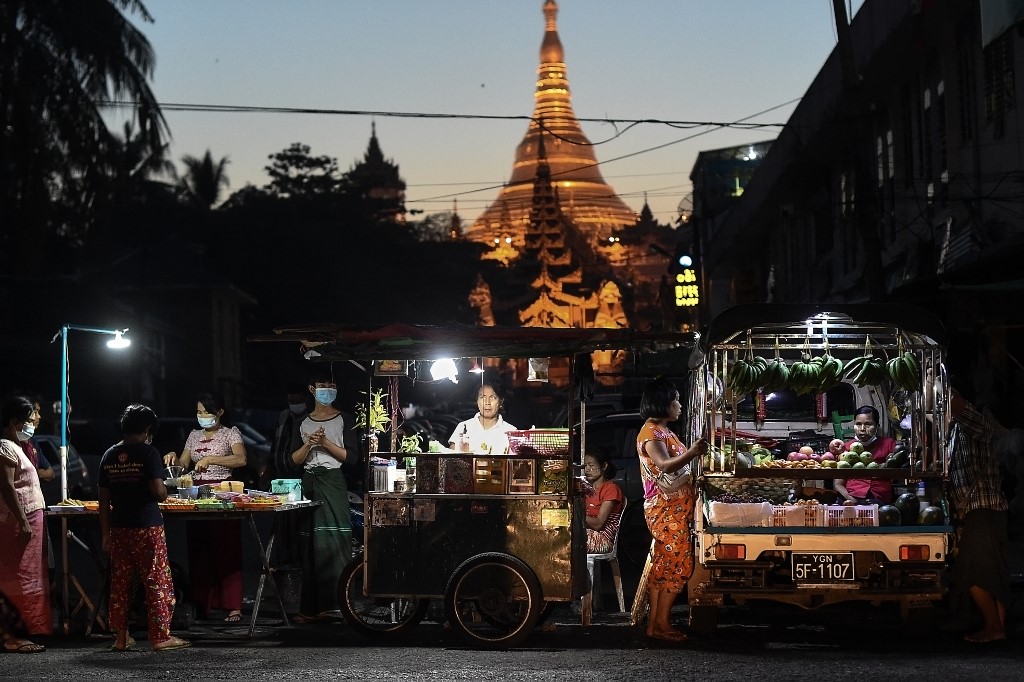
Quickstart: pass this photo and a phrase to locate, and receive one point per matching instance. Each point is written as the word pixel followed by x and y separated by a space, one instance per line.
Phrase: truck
pixel 759 533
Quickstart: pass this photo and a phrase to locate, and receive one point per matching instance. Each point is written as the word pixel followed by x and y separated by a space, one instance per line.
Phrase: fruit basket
pixel 774 489
pixel 544 442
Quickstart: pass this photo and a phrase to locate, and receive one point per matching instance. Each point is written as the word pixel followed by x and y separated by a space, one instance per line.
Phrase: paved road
pixel 751 643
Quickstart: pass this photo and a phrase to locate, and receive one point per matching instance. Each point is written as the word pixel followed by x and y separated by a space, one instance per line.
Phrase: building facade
pixel 897 178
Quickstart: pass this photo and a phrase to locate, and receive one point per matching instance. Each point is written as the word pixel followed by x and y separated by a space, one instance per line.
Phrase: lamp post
pixel 118 342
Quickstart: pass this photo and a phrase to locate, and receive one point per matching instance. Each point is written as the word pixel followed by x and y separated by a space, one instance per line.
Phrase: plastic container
pixel 291 487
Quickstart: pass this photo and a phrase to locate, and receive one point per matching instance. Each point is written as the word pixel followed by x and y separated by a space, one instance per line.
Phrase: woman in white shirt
pixel 329 545
pixel 485 431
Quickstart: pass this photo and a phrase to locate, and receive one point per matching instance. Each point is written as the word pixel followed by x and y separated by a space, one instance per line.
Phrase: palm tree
pixel 203 180
pixel 61 64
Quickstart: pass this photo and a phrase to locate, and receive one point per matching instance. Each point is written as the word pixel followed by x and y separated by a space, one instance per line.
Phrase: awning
pixel 426 342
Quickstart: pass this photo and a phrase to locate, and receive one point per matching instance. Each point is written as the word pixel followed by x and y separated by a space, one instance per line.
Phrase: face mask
pixel 325 396
pixel 297 408
pixel 27 431
pixel 206 422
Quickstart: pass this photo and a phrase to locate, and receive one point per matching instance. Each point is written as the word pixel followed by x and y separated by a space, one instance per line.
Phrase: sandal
pixel 171 644
pixel 128 644
pixel 23 647
pixel 233 617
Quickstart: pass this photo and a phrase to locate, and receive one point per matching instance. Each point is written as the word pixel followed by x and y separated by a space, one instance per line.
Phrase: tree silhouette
pixel 203 180
pixel 61 64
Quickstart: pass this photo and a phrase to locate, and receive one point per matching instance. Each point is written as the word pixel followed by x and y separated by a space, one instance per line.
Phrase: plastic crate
pixel 818 442
pixel 805 515
pixel 545 442
pixel 851 516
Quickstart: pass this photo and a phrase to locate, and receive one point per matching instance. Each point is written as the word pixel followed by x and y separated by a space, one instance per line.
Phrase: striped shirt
pixel 973 470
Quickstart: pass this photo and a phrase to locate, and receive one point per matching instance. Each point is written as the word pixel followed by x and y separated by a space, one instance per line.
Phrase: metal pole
pixel 64 412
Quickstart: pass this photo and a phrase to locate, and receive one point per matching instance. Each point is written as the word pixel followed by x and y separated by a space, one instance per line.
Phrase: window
pixel 999 74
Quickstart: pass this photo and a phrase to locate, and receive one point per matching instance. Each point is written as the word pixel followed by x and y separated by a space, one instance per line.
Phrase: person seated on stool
pixel 603 505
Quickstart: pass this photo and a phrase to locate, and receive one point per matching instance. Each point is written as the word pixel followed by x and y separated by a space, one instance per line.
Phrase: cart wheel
pixel 376 615
pixel 493 600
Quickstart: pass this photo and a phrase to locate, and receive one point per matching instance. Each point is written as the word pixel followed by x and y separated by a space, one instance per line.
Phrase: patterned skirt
pixel 669 523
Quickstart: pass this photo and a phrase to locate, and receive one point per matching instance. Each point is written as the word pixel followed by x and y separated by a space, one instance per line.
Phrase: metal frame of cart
pixel 498 559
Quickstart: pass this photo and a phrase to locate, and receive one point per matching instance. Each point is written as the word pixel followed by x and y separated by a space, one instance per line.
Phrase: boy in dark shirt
pixel 131 486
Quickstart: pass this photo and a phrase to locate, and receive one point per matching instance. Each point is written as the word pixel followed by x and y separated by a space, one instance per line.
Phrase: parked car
pixel 81 485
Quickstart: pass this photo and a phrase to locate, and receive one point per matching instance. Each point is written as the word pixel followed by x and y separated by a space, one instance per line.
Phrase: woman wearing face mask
pixel 329 544
pixel 23 571
pixel 214 547
pixel 868 491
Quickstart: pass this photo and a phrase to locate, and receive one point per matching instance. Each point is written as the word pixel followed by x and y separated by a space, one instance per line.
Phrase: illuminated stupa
pixel 586 199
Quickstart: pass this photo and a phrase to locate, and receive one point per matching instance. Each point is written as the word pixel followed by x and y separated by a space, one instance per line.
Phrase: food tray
pixel 546 442
pixel 174 507
pixel 257 505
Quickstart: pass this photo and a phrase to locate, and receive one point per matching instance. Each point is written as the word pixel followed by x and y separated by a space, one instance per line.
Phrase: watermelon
pixel 888 515
pixel 931 516
pixel 909 506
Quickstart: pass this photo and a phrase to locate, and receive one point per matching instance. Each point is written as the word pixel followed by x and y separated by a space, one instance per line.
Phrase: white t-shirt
pixel 492 440
pixel 334 430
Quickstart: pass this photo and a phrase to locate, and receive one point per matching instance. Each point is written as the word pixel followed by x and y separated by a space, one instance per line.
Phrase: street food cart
pixel 498 536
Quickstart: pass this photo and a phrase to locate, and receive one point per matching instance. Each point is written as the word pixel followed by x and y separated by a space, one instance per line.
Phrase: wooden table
pixel 188 514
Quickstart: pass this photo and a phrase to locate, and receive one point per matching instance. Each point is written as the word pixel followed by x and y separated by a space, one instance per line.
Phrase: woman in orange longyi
pixel 668 503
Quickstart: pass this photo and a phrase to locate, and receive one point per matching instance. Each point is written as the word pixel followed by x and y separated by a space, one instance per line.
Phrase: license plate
pixel 810 567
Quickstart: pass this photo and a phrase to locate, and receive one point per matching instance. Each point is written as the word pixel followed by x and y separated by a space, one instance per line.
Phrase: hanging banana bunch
pixel 776 374
pixel 831 370
pixel 867 369
pixel 746 374
pixel 805 374
pixel 904 369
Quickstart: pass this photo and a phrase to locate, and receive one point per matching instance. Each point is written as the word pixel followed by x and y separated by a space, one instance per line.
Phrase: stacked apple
pixel 807 453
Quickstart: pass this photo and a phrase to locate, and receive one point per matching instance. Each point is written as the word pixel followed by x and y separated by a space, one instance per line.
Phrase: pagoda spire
pixel 595 207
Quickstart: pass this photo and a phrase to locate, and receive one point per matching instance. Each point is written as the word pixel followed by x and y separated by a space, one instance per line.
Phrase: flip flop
pixel 974 639
pixel 25 648
pixel 233 618
pixel 175 643
pixel 128 644
pixel 674 637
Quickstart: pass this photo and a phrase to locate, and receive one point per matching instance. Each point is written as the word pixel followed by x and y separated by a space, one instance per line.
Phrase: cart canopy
pixel 334 342
pixel 784 317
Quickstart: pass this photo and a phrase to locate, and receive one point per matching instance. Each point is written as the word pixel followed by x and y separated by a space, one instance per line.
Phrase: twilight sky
pixel 671 60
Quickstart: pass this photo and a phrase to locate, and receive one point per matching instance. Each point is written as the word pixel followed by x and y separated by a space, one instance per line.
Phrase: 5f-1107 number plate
pixel 823 567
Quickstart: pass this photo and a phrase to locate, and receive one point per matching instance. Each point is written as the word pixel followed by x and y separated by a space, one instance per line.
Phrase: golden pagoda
pixel 586 199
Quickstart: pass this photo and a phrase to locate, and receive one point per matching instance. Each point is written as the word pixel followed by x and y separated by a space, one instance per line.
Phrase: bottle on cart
pixel 410 474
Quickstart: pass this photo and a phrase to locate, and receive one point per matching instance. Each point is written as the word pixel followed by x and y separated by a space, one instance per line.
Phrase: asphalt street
pixel 751 642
